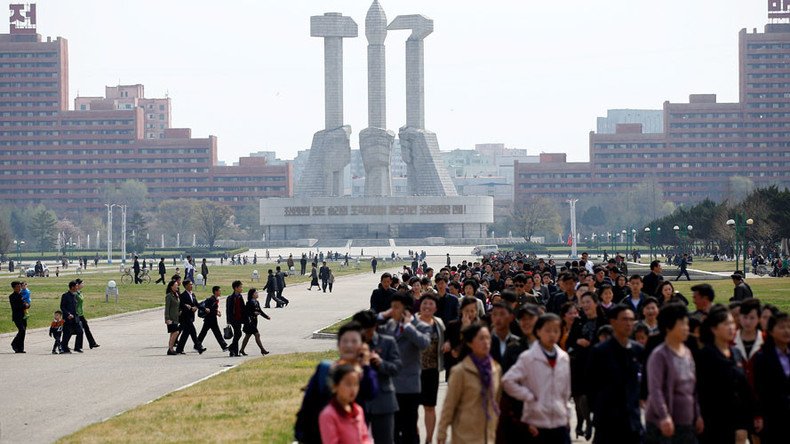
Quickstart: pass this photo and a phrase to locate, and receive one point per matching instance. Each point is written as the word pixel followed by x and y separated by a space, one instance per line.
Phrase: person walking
pixel 252 310
pixel 234 310
pixel 303 264
pixel 724 394
pixel 672 413
pixel 210 308
pixel 331 280
pixel 271 291
pixel 136 269
pixel 279 276
pixel 614 390
pixel 83 322
pixel 172 302
pixel 314 279
pixel 18 317
pixel 323 274
pixel 541 379
pixel 188 305
pixel 772 382
pixel 652 279
pixel 373 264
pixel 71 326
pixel 432 362
pixel 204 271
pixel 189 269
pixel 473 392
pixel 412 337
pixel 162 272
pixel 343 420
pixel 684 263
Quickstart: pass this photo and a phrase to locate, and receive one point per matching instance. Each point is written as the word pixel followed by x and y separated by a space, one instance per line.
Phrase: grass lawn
pixel 46 292
pixel 334 328
pixel 769 290
pixel 254 402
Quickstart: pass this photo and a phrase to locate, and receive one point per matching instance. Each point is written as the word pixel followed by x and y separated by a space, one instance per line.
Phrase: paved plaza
pixel 46 397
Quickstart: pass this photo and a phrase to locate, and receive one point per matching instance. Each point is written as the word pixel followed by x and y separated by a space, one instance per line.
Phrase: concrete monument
pixel 426 175
pixel 330 151
pixel 375 141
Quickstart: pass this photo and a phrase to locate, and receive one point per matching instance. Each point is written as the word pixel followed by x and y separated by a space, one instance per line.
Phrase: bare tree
pixel 211 220
pixel 538 214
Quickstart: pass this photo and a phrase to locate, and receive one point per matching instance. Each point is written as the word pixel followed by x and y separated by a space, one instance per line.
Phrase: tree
pixel 137 232
pixel 538 214
pixel 594 217
pixel 211 220
pixel 132 193
pixel 43 229
pixel 5 237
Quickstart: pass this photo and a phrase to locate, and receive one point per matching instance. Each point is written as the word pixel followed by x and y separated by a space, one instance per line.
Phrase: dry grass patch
pixel 254 402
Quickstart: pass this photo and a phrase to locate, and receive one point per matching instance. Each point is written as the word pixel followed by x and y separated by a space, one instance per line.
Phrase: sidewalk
pixel 45 397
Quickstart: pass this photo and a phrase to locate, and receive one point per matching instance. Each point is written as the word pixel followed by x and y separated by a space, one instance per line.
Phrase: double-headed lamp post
pixel 683 232
pixel 19 245
pixel 652 233
pixel 740 223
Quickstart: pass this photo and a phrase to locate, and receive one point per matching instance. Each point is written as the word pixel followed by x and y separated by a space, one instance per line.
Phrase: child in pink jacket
pixel 541 379
pixel 342 421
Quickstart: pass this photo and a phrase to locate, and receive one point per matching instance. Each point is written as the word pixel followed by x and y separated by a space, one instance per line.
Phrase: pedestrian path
pixel 45 397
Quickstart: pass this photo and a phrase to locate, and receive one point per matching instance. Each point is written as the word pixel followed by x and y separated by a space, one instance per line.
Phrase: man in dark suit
pixel 136 269
pixel 211 319
pixel 188 305
pixel 501 336
pixel 684 263
pixel 381 297
pixel 162 272
pixel 18 316
pixel 323 274
pixel 412 337
pixel 303 263
pixel 635 299
pixel 616 366
pixel 651 280
pixel 279 276
pixel 742 290
pixel 385 359
pixel 68 306
pixel 234 310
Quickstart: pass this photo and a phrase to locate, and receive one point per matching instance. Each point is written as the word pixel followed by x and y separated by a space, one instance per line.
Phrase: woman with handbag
pixel 253 309
pixel 171 316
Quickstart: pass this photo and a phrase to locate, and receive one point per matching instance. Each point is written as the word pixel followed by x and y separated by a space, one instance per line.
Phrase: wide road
pixel 44 397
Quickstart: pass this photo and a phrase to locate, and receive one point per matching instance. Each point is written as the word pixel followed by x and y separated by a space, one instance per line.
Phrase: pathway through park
pixel 45 397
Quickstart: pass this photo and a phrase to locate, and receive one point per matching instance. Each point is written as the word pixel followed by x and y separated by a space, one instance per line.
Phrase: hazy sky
pixel 531 74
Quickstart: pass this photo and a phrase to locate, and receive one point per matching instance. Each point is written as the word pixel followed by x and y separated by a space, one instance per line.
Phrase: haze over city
pixel 532 75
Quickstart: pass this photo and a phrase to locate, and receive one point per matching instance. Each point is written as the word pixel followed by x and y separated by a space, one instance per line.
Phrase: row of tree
pixel 146 223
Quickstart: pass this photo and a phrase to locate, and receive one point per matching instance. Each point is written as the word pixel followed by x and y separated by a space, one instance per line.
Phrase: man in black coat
pixel 279 276
pixel 271 291
pixel 303 263
pixel 162 272
pixel 323 274
pixel 381 297
pixel 68 306
pixel 616 366
pixel 18 316
pixel 211 319
pixel 136 269
pixel 187 306
pixel 651 280
pixel 234 310
pixel 742 290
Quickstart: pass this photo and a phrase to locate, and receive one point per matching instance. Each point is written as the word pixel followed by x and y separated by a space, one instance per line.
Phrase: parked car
pixel 482 250
pixel 31 271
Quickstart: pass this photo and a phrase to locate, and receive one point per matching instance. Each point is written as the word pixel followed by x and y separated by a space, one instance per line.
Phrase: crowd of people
pixel 519 338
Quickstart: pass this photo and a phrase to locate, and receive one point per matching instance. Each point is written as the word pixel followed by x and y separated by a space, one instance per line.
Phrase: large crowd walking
pixel 527 346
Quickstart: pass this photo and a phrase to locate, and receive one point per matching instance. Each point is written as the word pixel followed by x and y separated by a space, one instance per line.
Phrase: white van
pixel 482 250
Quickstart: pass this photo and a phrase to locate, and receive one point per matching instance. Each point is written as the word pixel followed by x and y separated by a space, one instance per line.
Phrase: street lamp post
pixel 625 241
pixel 109 232
pixel 653 232
pixel 740 223
pixel 683 233
pixel 19 245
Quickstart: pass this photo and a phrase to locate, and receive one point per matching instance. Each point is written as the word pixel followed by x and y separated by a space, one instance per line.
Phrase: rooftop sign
pixel 779 9
pixel 22 18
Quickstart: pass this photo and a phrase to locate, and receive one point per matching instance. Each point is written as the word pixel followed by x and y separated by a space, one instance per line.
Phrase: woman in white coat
pixel 541 379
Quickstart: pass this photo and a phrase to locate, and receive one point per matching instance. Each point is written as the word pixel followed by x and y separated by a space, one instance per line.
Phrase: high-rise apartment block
pixel 68 158
pixel 703 144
